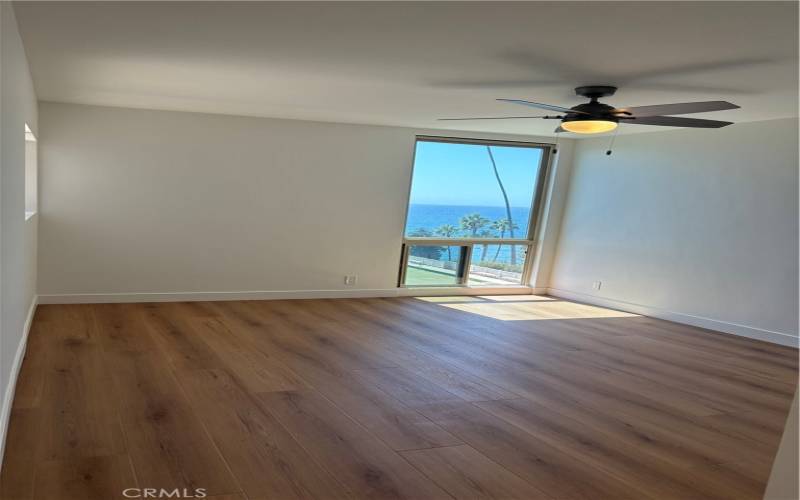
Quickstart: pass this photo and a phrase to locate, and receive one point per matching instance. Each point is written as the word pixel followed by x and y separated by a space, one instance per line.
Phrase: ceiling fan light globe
pixel 589 126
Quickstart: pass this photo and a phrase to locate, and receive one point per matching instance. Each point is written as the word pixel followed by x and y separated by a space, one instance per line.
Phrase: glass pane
pixel 497 265
pixel 472 190
pixel 433 265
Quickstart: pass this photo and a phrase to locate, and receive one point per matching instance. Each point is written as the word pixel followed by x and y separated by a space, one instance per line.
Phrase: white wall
pixel 699 226
pixel 17 235
pixel 150 202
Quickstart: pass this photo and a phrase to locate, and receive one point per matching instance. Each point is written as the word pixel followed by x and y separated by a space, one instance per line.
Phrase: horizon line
pixel 459 205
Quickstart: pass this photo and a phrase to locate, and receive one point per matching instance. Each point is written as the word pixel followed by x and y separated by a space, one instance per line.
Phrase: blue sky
pixel 461 174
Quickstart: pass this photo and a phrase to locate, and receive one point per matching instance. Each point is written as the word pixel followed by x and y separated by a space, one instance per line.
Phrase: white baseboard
pixel 687 319
pixel 8 395
pixel 100 298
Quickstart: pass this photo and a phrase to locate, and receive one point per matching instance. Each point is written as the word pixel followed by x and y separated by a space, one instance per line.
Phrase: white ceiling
pixel 410 63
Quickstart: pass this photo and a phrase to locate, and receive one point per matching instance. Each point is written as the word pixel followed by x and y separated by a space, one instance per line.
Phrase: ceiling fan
pixel 595 117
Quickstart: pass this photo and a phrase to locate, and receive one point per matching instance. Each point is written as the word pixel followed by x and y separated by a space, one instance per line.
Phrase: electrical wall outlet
pixel 350 279
pixel 597 284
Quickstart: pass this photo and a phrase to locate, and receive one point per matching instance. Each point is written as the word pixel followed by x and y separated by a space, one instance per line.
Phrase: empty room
pixel 399 250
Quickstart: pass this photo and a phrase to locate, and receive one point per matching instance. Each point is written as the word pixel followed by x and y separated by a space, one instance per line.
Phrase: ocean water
pixel 430 217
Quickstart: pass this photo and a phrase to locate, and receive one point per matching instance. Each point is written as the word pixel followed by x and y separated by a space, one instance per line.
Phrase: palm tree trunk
pixel 497 253
pixel 508 205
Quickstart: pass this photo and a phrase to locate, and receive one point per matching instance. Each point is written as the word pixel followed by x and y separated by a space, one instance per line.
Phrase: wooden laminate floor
pixel 499 397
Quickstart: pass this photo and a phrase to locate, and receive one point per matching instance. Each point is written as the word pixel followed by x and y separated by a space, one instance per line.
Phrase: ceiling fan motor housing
pixel 595 92
pixel 592 111
pixel 591 117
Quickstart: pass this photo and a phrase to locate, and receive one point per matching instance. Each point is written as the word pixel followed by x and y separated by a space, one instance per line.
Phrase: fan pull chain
pixel 611 144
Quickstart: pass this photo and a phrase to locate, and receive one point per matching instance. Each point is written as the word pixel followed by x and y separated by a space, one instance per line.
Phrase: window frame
pixel 31 173
pixel 533 222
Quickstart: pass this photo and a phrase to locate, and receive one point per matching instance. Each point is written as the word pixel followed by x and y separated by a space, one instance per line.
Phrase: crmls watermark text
pixel 164 493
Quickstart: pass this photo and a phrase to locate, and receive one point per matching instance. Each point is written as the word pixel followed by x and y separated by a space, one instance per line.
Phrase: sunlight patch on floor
pixel 525 307
pixel 445 300
pixel 486 298
pixel 519 298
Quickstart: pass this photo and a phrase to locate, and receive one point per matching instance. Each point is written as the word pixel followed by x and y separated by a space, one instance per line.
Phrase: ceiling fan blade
pixel 543 106
pixel 675 121
pixel 490 118
pixel 678 108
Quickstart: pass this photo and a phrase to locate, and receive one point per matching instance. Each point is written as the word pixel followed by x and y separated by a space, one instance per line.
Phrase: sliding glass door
pixel 472 212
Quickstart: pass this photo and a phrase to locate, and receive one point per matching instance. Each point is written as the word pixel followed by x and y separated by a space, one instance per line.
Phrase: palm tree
pixel 508 205
pixel 473 223
pixel 447 231
pixel 501 226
